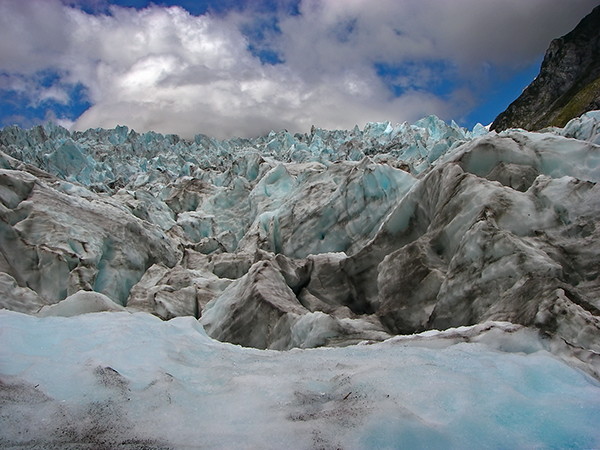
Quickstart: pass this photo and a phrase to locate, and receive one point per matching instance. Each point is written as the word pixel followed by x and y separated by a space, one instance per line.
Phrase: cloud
pixel 33 38
pixel 465 31
pixel 166 70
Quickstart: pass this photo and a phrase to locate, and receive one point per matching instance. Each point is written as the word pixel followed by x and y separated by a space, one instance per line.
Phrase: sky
pixel 231 68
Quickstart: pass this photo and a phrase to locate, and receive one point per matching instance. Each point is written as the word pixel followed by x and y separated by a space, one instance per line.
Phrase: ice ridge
pixel 105 160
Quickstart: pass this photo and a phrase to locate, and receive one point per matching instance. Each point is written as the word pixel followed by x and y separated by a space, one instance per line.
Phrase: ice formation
pixel 287 242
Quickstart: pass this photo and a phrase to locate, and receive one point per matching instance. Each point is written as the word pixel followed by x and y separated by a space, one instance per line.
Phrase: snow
pixel 106 379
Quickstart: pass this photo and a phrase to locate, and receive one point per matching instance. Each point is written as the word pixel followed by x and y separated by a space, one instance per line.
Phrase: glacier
pixel 367 240
pixel 120 380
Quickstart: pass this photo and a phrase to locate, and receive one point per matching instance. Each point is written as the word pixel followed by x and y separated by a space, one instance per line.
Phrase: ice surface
pixel 262 310
pixel 360 234
pixel 81 302
pixel 115 379
pixel 584 128
pixel 56 242
pixel 109 159
pixel 17 298
pixel 286 242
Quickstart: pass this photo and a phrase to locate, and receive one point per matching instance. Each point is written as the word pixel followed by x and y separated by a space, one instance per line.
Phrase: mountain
pixel 567 86
pixel 466 260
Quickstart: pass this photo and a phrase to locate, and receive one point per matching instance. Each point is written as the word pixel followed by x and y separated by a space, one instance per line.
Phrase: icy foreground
pixel 116 380
pixel 285 242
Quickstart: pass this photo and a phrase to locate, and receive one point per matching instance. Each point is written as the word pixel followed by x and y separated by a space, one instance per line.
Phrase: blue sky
pixel 241 68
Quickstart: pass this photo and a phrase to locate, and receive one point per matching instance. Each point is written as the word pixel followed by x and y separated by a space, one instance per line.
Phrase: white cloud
pixel 31 88
pixel 166 70
pixel 55 93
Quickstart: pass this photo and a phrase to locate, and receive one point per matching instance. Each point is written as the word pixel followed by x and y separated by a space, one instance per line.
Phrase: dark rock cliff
pixel 568 84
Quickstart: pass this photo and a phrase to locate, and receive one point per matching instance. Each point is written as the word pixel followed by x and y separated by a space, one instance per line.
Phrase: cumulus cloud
pixel 166 70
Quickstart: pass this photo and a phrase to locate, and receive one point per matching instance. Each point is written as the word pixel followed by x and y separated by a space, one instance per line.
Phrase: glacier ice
pixel 81 302
pixel 584 128
pixel 323 238
pixel 56 242
pixel 238 314
pixel 288 242
pixel 119 380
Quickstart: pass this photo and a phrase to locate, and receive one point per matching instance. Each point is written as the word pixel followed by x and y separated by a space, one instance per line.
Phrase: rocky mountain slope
pixel 326 238
pixel 567 86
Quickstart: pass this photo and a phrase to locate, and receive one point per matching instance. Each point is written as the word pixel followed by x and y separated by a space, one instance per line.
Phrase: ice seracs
pixel 324 238
pixel 56 241
pixel 273 306
pixel 478 250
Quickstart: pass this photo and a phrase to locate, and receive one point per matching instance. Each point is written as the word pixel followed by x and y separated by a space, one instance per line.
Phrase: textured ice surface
pixel 108 159
pixel 324 238
pixel 285 242
pixel 112 380
pixel 57 241
pixel 584 128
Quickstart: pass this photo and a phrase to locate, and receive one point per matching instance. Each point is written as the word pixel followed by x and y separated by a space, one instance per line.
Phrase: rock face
pixel 330 238
pixel 567 86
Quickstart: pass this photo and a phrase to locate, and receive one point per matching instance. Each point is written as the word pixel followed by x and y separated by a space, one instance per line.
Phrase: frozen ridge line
pixel 106 160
